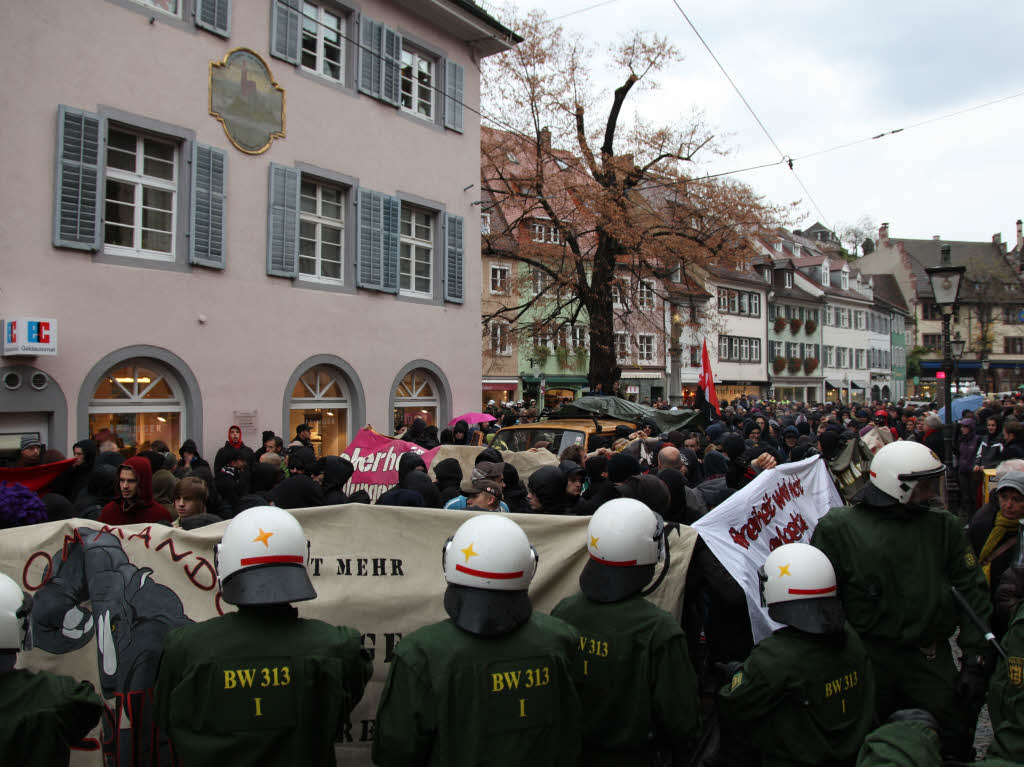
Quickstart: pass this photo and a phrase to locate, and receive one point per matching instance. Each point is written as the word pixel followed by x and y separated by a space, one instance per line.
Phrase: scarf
pixel 1000 529
pixel 238 443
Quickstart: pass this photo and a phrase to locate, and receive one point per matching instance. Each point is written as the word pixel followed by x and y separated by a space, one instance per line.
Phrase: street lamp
pixel 945 280
pixel 957 346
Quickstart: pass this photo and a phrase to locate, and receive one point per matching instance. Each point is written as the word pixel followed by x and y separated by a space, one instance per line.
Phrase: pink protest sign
pixel 375 458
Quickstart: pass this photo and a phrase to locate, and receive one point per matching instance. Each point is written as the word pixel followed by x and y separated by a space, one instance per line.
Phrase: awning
pixel 833 384
pixel 630 376
pixel 498 386
pixel 855 385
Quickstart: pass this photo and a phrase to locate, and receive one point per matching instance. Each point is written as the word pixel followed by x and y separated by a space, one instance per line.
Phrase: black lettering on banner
pixel 317 561
pixel 344 567
pixel 371 648
pixel 380 566
pixel 169 543
pixel 361 566
pixel 390 642
pixel 369 726
pixel 396 567
pixel 346 733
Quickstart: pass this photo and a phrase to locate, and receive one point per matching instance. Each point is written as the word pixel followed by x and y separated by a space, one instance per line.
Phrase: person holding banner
pixel 260 681
pixel 41 714
pixel 494 684
pixel 638 687
pixel 897 561
pixel 805 695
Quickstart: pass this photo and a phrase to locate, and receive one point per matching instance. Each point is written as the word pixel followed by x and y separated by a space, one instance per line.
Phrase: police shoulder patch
pixel 737 680
pixel 969 559
pixel 1015 671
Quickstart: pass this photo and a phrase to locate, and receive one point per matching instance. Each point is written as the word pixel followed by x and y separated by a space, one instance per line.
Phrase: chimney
pixel 936 237
pixel 545 140
pixel 883 231
pixel 997 238
pixel 1020 235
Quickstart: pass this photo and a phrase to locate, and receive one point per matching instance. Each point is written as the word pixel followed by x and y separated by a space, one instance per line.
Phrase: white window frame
pixel 539 281
pixel 499 279
pixel 845 281
pixel 755 304
pixel 414 108
pixel 744 350
pixel 321 27
pixel 485 223
pixel 825 275
pixel 499 339
pixel 156 5
pixel 580 337
pixel 139 182
pixel 723 300
pixel 538 232
pixel 621 345
pixel 723 347
pixel 787 279
pixel 645 347
pixel 859 357
pixel 319 220
pixel 830 356
pixel 414 243
pixel 734 302
pixel 646 295
pixel 755 349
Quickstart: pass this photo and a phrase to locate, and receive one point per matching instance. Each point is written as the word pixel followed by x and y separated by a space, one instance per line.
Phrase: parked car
pixel 559 433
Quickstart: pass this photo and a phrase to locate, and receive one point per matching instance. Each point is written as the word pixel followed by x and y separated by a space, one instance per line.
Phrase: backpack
pixel 849 469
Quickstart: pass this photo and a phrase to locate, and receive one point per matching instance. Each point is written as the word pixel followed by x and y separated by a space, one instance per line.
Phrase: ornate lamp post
pixel 945 280
pixel 957 346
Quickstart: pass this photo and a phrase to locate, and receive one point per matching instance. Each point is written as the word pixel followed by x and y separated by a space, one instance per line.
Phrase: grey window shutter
pixel 214 16
pixel 391 87
pixel 454 93
pixel 379 217
pixel 209 172
pixel 283 222
pixel 79 174
pixel 370 52
pixel 285 28
pixel 454 282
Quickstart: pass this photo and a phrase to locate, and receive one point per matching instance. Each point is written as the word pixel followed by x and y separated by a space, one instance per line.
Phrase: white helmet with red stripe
pixel 490 552
pixel 262 559
pixel 798 585
pixel 625 540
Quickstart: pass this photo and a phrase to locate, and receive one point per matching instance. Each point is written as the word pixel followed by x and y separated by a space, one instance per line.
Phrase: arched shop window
pixel 320 399
pixel 139 401
pixel 416 396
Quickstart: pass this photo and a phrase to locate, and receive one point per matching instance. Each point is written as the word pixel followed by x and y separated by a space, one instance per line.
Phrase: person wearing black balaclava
pixel 515 491
pixel 547 491
pixel 447 478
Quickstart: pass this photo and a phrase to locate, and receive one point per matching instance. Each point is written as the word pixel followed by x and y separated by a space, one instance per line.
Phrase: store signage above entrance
pixel 30 337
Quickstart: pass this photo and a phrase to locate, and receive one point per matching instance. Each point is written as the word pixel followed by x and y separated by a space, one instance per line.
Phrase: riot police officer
pixel 805 695
pixel 260 686
pixel 41 714
pixel 493 685
pixel 896 558
pixel 638 687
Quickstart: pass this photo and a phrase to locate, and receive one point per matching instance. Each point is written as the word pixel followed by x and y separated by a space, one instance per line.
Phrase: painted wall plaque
pixel 247 101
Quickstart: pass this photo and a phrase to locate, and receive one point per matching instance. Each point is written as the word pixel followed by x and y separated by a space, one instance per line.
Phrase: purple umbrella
pixel 472 418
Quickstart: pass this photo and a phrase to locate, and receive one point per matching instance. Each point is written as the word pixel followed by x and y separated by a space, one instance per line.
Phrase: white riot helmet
pixel 897 469
pixel 798 586
pixel 488 564
pixel 262 558
pixel 15 617
pixel 625 540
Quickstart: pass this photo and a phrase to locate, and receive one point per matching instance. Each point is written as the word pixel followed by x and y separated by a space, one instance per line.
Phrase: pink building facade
pixel 296 257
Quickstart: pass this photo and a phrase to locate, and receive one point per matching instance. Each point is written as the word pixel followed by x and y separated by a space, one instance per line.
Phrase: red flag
pixel 36 478
pixel 706 382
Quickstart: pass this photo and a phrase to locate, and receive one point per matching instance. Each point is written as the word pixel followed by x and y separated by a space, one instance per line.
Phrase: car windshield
pixel 518 440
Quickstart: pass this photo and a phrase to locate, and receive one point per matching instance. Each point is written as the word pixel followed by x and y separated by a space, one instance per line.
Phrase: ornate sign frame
pixel 246 100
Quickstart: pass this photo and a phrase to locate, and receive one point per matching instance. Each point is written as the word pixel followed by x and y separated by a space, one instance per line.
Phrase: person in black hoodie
pixel 574 477
pixel 417 434
pixel 101 488
pixel 190 459
pixel 460 433
pixel 298 491
pixel 73 481
pixel 547 491
pixel 448 477
pixel 409 462
pixel 264 478
pixel 515 491
pixel 232 446
pixel 336 471
pixel 420 482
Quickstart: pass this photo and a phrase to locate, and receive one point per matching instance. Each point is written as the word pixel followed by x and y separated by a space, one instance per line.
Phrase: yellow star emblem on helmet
pixel 263 537
pixel 468 551
pixel 593 541
pixel 784 570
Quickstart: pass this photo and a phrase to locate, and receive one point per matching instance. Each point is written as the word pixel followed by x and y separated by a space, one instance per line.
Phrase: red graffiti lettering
pixel 145 535
pixel 174 554
pixel 738 538
pixel 68 541
pixel 193 574
pixel 47 573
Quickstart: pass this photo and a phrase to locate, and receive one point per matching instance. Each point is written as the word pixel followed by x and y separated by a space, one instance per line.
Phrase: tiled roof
pixel 888 290
pixel 736 276
pixel 975 256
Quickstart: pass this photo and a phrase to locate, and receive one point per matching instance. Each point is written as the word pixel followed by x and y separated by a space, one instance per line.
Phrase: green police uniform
pixel 894 567
pixel 802 698
pixel 42 715
pixel 453 698
pixel 1006 695
pixel 259 687
pixel 901 744
pixel 638 688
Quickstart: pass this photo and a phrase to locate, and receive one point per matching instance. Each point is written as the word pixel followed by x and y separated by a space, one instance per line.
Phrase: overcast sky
pixel 820 73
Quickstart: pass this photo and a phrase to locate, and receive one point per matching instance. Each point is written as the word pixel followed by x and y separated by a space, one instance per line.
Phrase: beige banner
pixel 377 569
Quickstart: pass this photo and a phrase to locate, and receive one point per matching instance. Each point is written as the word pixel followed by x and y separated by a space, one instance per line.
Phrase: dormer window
pixel 778 246
pixel 768 275
pixel 845 281
pixel 796 251
pixel 787 279
pixel 825 276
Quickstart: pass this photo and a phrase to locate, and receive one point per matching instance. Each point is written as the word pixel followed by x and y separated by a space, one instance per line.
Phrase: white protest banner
pixel 779 506
pixel 106 597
